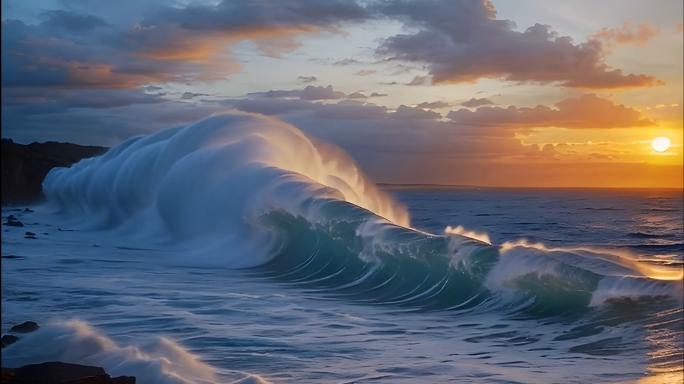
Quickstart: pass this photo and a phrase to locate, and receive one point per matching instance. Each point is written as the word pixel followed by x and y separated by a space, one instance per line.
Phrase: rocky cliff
pixel 25 166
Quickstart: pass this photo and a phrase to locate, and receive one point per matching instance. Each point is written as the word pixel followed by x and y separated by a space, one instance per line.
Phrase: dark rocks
pixel 61 373
pixel 30 234
pixel 30 237
pixel 25 327
pixel 65 230
pixel 13 222
pixel 45 233
pixel 28 210
pixel 12 257
pixel 7 340
pixel 24 167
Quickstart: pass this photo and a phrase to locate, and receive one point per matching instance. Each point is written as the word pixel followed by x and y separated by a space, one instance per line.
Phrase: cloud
pixel 48 55
pixel 406 145
pixel 627 34
pixel 245 16
pixel 347 62
pixel 587 111
pixel 405 112
pixel 357 95
pixel 420 80
pixel 365 72
pixel 74 49
pixel 462 41
pixel 190 95
pixel 433 105
pixel 375 94
pixel 309 93
pixel 307 79
pixel 92 117
pixel 472 103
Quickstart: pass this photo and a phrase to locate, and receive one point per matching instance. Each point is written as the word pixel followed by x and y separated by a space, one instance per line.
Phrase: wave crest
pixel 210 182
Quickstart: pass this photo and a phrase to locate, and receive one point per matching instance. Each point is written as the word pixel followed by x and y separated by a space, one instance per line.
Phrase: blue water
pixel 391 311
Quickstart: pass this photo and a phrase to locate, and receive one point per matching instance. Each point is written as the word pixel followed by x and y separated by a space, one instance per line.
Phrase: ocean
pixel 211 254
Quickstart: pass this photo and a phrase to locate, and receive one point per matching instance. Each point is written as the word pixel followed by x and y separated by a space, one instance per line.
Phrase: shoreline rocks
pixel 25 327
pixel 13 222
pixel 54 372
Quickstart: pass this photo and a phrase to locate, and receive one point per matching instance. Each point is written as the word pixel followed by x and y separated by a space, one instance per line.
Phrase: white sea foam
pixel 460 230
pixel 156 361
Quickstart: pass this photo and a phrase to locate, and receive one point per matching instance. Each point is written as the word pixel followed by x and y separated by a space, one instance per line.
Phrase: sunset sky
pixel 533 93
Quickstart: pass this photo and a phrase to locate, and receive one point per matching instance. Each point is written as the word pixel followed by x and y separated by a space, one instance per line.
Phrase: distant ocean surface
pixel 255 275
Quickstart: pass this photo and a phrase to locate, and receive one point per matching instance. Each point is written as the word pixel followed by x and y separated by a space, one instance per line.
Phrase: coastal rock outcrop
pixel 25 327
pixel 54 372
pixel 64 373
pixel 13 222
pixel 25 166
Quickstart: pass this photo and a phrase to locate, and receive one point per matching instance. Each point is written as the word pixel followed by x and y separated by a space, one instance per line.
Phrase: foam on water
pixel 159 360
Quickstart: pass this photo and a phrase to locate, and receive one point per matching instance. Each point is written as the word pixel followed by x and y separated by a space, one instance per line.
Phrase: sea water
pixel 211 254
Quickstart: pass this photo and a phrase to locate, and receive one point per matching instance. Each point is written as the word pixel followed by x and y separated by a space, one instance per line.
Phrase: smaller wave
pixel 617 257
pixel 460 230
pixel 633 288
pixel 159 361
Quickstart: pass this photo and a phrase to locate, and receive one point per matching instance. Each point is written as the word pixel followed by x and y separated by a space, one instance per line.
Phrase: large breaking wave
pixel 246 191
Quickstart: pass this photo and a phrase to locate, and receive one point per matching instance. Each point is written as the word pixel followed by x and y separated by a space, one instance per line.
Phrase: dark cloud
pixel 404 112
pixel 587 111
pixel 190 95
pixel 307 79
pixel 104 58
pixel 309 93
pixel 474 102
pixel 347 62
pixel 462 41
pixel 433 105
pixel 93 117
pixel 270 107
pixel 375 94
pixel 357 95
pixel 76 49
pixel 247 16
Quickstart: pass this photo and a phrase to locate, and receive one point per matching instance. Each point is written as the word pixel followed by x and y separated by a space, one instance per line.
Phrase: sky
pixel 531 93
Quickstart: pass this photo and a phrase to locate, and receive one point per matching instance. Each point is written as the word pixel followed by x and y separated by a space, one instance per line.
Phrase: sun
pixel 660 144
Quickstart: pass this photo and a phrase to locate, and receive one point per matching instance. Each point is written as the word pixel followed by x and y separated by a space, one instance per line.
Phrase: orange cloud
pixel 587 111
pixel 628 34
